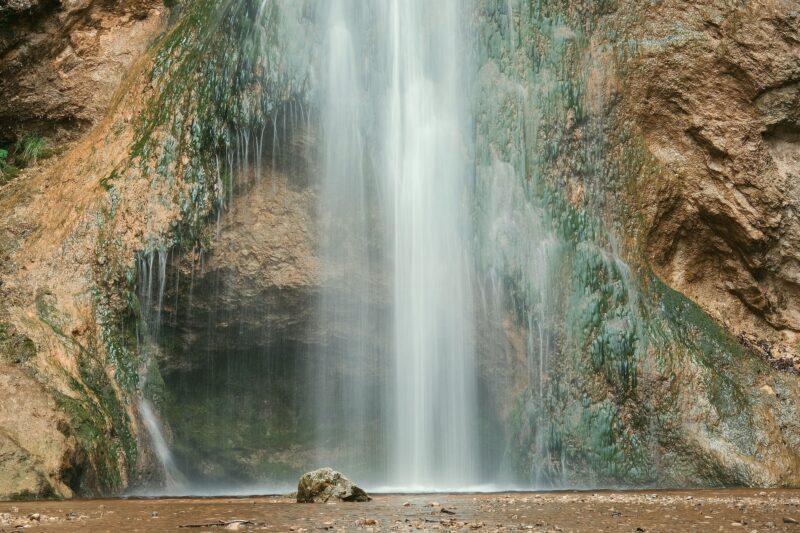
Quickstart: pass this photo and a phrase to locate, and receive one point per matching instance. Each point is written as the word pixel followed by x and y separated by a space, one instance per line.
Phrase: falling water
pixel 173 478
pixel 394 75
pixel 347 362
pixel 433 436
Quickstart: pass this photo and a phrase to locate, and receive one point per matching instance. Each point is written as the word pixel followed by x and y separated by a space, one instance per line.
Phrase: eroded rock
pixel 718 110
pixel 324 484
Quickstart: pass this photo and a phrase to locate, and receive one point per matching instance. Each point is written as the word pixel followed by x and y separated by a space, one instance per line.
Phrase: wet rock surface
pixel 325 484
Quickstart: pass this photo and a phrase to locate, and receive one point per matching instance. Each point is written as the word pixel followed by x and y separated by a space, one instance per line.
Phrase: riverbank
pixel 740 510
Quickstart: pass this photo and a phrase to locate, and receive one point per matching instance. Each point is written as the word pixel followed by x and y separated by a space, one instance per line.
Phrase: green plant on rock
pixel 30 148
pixel 7 170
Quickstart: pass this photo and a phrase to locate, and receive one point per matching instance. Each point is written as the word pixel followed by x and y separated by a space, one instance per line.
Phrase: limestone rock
pixel 61 62
pixel 321 485
pixel 721 219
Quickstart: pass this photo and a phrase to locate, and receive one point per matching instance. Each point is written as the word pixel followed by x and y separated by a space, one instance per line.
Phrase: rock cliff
pixel 653 148
pixel 717 104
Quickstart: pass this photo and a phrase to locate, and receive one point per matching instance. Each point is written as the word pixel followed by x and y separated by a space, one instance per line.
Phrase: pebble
pixel 789 520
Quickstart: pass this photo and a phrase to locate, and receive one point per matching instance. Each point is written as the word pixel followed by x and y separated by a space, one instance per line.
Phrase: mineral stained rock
pixel 324 484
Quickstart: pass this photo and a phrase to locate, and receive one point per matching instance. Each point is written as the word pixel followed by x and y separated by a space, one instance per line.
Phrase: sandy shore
pixel 742 510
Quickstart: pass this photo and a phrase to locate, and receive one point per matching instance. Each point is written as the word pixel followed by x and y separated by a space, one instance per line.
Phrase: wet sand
pixel 744 510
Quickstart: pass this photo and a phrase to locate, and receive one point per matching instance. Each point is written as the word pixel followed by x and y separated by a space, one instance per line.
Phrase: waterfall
pixel 394 207
pixel 433 437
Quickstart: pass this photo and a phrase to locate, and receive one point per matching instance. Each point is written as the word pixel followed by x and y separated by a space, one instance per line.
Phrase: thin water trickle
pixel 173 478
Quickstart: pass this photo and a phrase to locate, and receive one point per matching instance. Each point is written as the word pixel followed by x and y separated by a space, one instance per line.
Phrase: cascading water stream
pixel 410 102
pixel 434 437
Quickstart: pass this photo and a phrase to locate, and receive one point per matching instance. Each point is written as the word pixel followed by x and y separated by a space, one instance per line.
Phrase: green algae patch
pixel 14 347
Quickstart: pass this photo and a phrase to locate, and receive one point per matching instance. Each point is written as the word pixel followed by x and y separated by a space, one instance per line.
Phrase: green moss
pixel 154 388
pixel 97 413
pixel 106 182
pixel 101 425
pixel 7 170
pixel 45 491
pixel 14 347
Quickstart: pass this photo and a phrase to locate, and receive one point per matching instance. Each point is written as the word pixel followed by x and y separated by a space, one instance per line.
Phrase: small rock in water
pixel 319 486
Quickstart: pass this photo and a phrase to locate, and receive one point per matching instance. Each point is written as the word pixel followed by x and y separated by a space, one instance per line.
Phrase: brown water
pixel 744 510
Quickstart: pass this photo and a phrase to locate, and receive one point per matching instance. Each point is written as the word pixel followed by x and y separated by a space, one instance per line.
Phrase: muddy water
pixel 695 511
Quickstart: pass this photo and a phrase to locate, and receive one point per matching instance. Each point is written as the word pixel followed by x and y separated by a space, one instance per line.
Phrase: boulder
pixel 324 484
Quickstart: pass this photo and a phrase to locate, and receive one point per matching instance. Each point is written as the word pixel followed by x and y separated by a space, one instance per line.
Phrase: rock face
pixel 325 484
pixel 612 111
pixel 61 62
pixel 64 427
pixel 719 109
pixel 39 455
